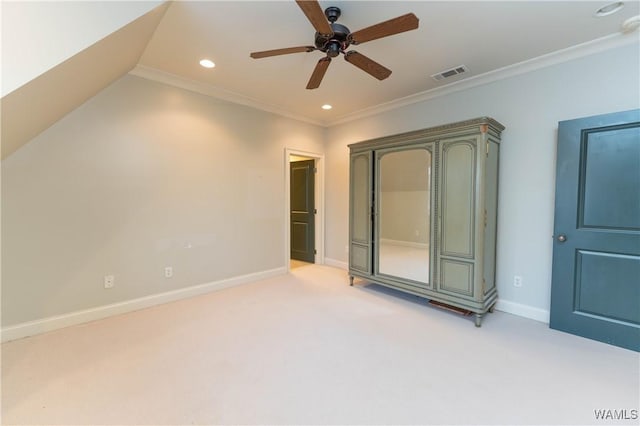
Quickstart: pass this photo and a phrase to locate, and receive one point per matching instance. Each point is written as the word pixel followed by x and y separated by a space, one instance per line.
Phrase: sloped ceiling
pixel 33 107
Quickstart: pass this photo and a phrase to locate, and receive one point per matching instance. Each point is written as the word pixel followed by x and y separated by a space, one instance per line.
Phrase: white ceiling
pixel 482 35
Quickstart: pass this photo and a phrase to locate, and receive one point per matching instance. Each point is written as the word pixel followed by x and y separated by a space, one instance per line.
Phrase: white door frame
pixel 319 204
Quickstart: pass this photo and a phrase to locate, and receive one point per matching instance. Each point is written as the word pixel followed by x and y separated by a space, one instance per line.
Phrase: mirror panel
pixel 404 214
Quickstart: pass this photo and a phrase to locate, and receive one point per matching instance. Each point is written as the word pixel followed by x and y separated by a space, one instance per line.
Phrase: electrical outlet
pixel 168 272
pixel 517 281
pixel 109 281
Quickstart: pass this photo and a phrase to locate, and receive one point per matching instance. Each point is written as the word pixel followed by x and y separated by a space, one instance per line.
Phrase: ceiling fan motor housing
pixel 336 43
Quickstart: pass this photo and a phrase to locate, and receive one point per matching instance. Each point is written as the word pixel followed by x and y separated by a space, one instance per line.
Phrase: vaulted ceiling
pixel 168 43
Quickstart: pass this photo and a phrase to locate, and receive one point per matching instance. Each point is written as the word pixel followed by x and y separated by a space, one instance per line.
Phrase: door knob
pixel 562 238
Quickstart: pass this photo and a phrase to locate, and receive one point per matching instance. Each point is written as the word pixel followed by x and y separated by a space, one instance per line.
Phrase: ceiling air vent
pixel 450 73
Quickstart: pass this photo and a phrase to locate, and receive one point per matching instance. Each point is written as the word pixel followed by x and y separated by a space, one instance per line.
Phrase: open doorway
pixel 304 233
pixel 302 222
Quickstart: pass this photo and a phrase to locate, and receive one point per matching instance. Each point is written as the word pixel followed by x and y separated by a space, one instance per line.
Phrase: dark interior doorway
pixel 302 210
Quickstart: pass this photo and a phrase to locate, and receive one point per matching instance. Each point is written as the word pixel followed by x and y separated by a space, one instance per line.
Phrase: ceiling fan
pixel 333 39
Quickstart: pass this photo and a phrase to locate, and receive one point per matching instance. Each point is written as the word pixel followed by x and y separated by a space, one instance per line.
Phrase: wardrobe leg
pixel 478 320
pixel 351 280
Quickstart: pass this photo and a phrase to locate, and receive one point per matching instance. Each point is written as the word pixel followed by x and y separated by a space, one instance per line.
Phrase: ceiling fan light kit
pixel 334 39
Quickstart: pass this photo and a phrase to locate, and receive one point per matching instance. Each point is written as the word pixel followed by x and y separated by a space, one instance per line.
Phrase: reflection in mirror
pixel 404 214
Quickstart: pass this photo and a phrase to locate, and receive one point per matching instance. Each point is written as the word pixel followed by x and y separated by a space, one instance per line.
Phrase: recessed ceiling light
pixel 326 107
pixel 207 63
pixel 609 9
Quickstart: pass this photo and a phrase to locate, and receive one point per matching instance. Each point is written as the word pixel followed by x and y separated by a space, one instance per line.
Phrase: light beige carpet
pixel 295 264
pixel 306 348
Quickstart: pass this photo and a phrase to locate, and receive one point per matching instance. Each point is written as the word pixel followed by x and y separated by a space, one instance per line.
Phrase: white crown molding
pixel 574 52
pixel 564 55
pixel 206 89
pixel 44 325
pixel 554 58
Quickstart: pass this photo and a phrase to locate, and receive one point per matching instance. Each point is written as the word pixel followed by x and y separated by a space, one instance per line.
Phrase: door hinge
pixel 315 170
pixel 487 148
pixel 315 211
pixel 485 218
pixel 315 251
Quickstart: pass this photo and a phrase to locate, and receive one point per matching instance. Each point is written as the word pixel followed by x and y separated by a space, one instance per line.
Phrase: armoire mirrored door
pixel 403 208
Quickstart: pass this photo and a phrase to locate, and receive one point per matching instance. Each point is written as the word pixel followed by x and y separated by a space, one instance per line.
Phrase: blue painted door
pixel 596 255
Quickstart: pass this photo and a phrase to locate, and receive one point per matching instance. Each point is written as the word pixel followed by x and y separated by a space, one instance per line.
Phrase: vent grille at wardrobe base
pixel 455 309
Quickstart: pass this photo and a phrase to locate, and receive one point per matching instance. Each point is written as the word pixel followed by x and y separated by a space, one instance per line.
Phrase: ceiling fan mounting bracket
pixel 332 13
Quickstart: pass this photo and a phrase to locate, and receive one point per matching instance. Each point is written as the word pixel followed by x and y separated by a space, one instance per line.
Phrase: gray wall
pixel 144 176
pixel 140 177
pixel 530 106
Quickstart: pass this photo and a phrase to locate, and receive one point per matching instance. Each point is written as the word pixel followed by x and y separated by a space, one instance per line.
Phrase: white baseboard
pixel 44 325
pixel 530 312
pixel 336 263
pixel 514 308
pixel 401 243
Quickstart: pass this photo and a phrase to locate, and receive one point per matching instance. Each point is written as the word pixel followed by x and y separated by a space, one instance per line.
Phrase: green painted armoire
pixel 423 213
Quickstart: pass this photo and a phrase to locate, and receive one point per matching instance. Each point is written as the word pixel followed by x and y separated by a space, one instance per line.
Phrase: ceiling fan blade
pixel 393 26
pixel 318 73
pixel 285 51
pixel 367 65
pixel 314 13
